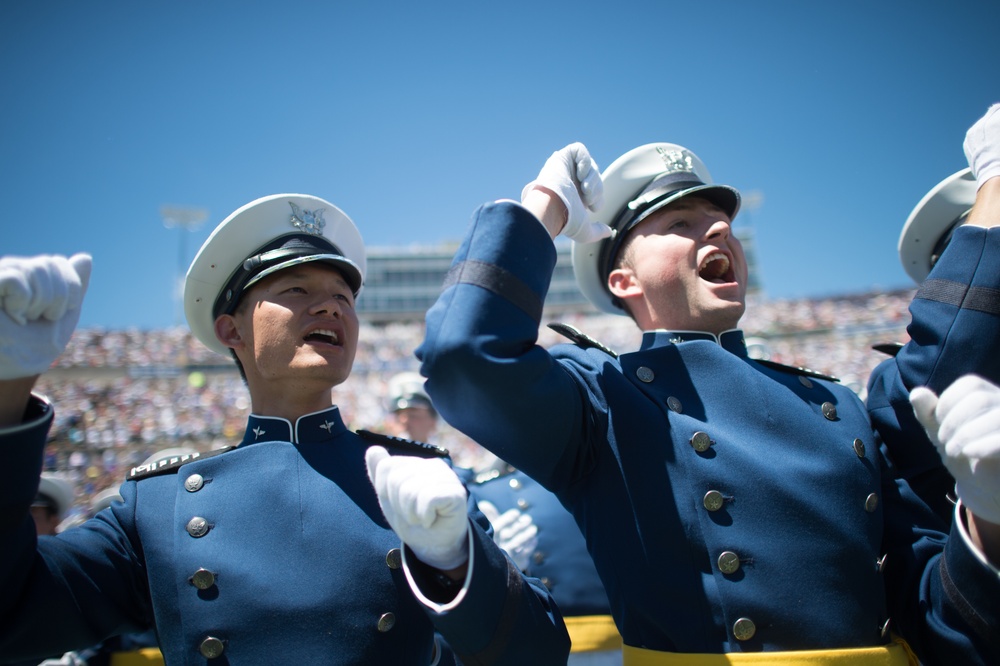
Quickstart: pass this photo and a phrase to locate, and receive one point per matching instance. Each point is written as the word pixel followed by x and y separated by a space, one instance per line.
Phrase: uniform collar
pixel 316 427
pixel 731 340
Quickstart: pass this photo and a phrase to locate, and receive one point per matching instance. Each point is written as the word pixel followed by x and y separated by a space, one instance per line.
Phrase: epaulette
pixel 581 339
pixel 796 371
pixel 888 348
pixel 169 465
pixel 406 446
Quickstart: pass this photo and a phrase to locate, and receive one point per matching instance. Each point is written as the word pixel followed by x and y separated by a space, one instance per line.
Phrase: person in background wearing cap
pixel 412 412
pixel 54 498
pixel 950 247
pixel 733 507
pixel 305 543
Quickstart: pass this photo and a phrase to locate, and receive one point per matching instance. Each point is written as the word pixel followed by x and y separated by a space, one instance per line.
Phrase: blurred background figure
pixel 53 501
pixel 413 415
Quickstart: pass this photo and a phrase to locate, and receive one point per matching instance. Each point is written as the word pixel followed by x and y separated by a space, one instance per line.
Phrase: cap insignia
pixel 308 221
pixel 675 160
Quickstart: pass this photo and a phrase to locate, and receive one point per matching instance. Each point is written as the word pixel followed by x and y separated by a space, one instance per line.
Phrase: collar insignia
pixel 675 160
pixel 308 221
pixel 258 431
pixel 327 426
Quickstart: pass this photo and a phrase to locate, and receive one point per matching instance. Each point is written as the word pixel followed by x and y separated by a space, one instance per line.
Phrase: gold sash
pixel 143 657
pixel 897 653
pixel 593 633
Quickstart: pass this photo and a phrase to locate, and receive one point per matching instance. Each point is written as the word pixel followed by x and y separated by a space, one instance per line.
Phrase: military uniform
pixel 275 551
pixel 559 558
pixel 730 506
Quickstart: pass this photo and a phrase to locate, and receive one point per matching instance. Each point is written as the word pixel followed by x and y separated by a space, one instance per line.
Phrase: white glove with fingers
pixel 40 299
pixel 425 503
pixel 964 424
pixel 513 531
pixel 982 146
pixel 573 176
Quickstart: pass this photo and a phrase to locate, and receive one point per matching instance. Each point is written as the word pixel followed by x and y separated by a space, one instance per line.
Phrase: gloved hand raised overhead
pixel 573 176
pixel 982 146
pixel 40 299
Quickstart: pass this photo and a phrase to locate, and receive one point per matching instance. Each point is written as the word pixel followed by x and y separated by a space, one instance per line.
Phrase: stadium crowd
pixel 123 395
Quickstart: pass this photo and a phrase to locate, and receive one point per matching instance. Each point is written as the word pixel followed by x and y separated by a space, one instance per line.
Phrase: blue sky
pixel 841 115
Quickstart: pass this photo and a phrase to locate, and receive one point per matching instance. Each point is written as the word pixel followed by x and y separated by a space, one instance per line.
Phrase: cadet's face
pixel 417 422
pixel 689 267
pixel 299 323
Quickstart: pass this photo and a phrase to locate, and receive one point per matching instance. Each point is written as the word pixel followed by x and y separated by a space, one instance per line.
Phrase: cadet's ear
pixel 623 284
pixel 228 331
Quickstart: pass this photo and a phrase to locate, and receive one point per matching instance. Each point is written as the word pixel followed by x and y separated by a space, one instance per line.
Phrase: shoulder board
pixel 581 339
pixel 405 446
pixel 796 371
pixel 170 465
pixel 888 348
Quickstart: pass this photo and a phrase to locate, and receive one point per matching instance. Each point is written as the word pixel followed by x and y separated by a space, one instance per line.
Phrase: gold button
pixel 197 527
pixel 859 448
pixel 701 441
pixel 645 374
pixel 386 622
pixel 713 500
pixel 871 503
pixel 523 504
pixel 729 562
pixel 829 411
pixel 514 483
pixel 538 557
pixel 744 629
pixel 394 558
pixel 202 579
pixel 805 381
pixel 675 405
pixel 194 483
pixel 547 582
pixel 211 647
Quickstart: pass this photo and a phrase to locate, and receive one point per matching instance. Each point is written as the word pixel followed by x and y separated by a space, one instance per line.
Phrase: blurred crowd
pixel 123 395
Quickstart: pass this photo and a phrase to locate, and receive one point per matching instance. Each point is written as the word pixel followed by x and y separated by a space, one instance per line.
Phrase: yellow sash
pixel 897 653
pixel 593 633
pixel 143 657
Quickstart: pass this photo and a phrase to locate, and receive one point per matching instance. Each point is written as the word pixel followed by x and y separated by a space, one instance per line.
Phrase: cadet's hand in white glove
pixel 424 502
pixel 573 176
pixel 982 146
pixel 964 424
pixel 513 531
pixel 40 299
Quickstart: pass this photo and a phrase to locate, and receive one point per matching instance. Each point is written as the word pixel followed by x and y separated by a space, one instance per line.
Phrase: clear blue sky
pixel 409 115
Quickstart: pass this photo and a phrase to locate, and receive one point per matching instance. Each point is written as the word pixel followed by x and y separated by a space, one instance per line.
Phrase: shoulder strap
pixel 581 339
pixel 795 370
pixel 404 446
pixel 170 465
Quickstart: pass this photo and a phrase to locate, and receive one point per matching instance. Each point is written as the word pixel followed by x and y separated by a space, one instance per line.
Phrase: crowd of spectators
pixel 123 395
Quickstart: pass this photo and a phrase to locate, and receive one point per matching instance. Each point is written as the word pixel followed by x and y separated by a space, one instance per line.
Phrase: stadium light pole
pixel 185 219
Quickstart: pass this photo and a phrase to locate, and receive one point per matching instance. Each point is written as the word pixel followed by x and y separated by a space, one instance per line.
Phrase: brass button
pixel 197 527
pixel 645 374
pixel 712 500
pixel 538 557
pixel 547 582
pixel 211 647
pixel 675 405
pixel 514 483
pixel 394 558
pixel 744 629
pixel 829 411
pixel 805 381
pixel 729 562
pixel 859 448
pixel 194 483
pixel 700 441
pixel 871 503
pixel 386 622
pixel 202 579
pixel 523 504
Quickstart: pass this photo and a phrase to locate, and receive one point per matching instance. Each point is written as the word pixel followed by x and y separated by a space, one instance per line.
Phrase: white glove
pixel 982 146
pixel 513 531
pixel 573 176
pixel 68 659
pixel 425 504
pixel 964 424
pixel 40 299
